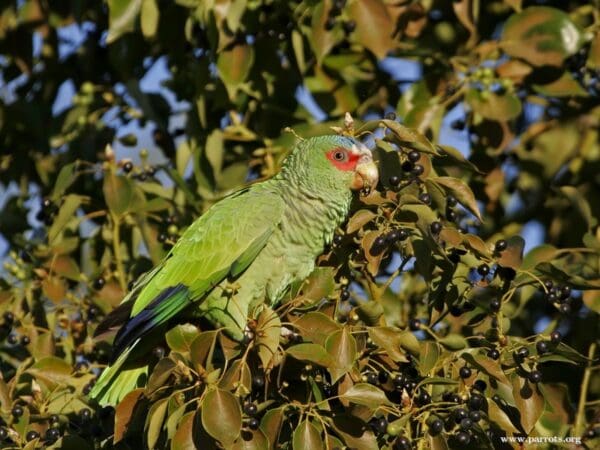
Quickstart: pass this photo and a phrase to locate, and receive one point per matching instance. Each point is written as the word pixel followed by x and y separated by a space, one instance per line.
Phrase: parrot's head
pixel 340 162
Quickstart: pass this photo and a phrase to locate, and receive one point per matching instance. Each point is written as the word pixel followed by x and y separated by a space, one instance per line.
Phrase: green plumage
pixel 254 243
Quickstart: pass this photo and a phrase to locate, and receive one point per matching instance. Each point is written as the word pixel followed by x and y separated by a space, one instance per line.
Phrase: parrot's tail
pixel 117 381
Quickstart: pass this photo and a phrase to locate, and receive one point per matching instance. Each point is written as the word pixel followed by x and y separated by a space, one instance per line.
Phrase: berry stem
pixel 580 417
pixel 117 252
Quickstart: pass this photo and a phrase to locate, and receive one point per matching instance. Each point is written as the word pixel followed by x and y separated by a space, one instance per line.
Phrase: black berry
pixel 344 295
pixel 380 425
pixel 250 409
pixel 9 317
pixel 394 180
pixel 541 347
pixel 372 378
pixel 414 156
pixel 459 414
pixel 435 227
pixel 556 337
pixel 463 438
pixel 253 423
pixel 99 283
pixel 501 245
pixel 378 246
pixel 425 198
pixel 52 434
pixel 535 376
pixel 436 427
pixel 31 435
pixel 521 354
pixel 475 402
pixel 414 324
pixel 475 416
pixel 418 170
pixel 258 381
pixel 483 270
pixel 466 424
pixel 495 305
pixel 128 167
pixel 85 414
pixel 480 385
pixel 465 372
pixel 403 443
pixel 493 353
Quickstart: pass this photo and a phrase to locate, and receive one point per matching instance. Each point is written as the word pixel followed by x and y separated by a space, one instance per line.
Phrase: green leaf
pixel 124 412
pixel 409 342
pixel 154 421
pixel 202 348
pixel 428 358
pixel 51 370
pixel 184 436
pixel 321 39
pixel 565 86
pixel 268 334
pixel 541 36
pixel 462 192
pixel 389 339
pixel 312 353
pixel 513 255
pixel 580 204
pixel 65 214
pixel 315 327
pixel 66 177
pixel 341 345
pixel 226 425
pixel 454 342
pixel 271 423
pixel 234 65
pixel 500 107
pixel 319 284
pixel 407 137
pixel 367 395
pixel 528 400
pixel 181 337
pixel 354 432
pixel 237 378
pixel 255 440
pixel 374 26
pixel 487 365
pixel 307 437
pixel 160 374
pixel 359 220
pixel 122 17
pixel 119 193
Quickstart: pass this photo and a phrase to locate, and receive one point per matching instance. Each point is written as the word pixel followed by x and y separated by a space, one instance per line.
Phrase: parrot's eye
pixel 342 158
pixel 340 155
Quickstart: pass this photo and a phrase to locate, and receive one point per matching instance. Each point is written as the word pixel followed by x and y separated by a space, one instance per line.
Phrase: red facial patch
pixel 342 158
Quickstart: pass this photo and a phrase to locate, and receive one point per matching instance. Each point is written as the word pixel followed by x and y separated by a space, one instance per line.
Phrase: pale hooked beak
pixel 366 174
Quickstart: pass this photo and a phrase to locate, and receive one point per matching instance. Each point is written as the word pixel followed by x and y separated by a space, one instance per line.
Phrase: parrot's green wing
pixel 221 243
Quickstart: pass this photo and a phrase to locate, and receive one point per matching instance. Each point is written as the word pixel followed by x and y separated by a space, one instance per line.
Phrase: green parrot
pixel 261 240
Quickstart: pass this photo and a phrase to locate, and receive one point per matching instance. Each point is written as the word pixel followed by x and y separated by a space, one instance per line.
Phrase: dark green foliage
pixel 428 322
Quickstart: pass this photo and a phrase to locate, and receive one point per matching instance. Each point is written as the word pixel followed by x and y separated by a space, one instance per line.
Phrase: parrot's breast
pixel 308 225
